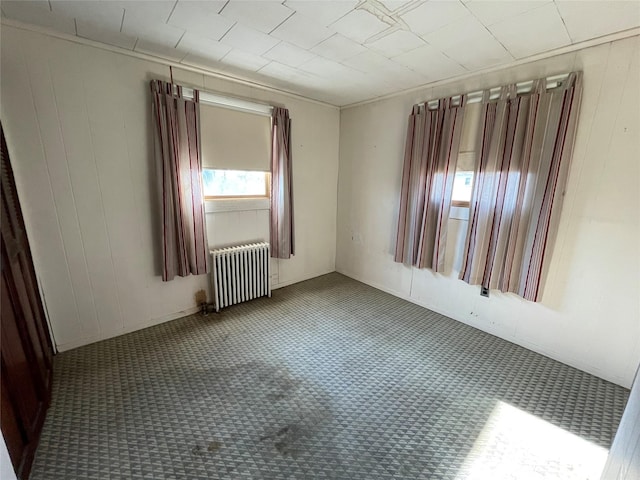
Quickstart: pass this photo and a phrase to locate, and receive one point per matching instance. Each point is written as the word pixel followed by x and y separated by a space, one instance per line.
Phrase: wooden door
pixel 26 352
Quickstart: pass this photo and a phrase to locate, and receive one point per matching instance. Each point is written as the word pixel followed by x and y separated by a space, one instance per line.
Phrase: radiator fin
pixel 240 274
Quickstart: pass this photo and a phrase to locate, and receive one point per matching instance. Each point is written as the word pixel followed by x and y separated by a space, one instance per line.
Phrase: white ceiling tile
pixel 152 32
pixel 485 53
pixel 393 5
pixel 325 12
pixel 200 18
pixel 532 32
pixel 104 15
pixel 396 43
pixel 492 11
pixel 203 47
pixel 402 78
pixel 302 31
pixel 359 25
pixel 200 61
pixel 244 61
pixel 338 47
pixel 288 54
pixel 156 10
pixel 38 13
pixel 290 75
pixel 96 33
pixel 249 40
pixel 455 38
pixel 368 61
pixel 328 69
pixel 433 15
pixel 159 50
pixel 384 70
pixel 261 15
pixel 586 20
pixel 431 63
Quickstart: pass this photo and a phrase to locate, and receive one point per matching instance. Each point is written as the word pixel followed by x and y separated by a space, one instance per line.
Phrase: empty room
pixel 337 239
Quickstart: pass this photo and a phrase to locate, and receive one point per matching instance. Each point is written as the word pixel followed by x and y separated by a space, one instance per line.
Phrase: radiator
pixel 240 273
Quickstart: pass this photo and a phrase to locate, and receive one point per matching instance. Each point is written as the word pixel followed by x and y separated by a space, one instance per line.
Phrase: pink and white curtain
pixel 525 150
pixel 281 213
pixel 431 155
pixel 178 160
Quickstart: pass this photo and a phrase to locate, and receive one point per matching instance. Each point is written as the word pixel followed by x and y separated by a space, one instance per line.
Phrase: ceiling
pixel 340 52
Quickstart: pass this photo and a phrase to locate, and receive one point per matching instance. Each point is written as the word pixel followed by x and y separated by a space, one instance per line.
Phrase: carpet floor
pixel 328 379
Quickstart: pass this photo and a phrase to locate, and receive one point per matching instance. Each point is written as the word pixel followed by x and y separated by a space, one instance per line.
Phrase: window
pixel 220 184
pixel 463 180
pixel 462 188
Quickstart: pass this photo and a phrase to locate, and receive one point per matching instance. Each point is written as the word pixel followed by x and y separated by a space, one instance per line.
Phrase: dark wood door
pixel 26 352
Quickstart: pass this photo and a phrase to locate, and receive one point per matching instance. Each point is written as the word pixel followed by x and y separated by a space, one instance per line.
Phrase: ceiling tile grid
pixel 336 51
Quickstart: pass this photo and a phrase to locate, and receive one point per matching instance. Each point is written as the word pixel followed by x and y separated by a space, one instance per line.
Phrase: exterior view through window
pixel 235 184
pixel 462 188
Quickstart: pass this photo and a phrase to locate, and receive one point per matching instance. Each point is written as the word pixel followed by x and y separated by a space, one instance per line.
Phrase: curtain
pixel 178 160
pixel 281 214
pixel 431 154
pixel 524 154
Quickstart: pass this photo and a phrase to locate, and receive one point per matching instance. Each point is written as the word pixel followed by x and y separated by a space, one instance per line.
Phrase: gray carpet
pixel 330 378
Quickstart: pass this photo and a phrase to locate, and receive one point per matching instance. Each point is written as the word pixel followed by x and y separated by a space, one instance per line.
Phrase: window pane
pixel 234 183
pixel 462 187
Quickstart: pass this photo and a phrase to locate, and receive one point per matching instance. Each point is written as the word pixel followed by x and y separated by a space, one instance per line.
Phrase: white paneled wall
pixel 6 468
pixel 77 124
pixel 589 316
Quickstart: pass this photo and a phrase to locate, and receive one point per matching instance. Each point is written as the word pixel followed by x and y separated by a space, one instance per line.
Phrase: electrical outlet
pixel 484 292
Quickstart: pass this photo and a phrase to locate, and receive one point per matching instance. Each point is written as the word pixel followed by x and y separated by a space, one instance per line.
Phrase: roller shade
pixel 234 140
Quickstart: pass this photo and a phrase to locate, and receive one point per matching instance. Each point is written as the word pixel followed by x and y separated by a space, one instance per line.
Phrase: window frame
pixel 461 203
pixel 464 203
pixel 267 189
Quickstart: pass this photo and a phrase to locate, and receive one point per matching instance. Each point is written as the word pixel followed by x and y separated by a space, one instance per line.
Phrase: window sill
pixel 459 213
pixel 236 205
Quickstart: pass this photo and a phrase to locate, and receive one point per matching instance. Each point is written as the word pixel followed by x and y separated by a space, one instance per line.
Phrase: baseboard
pixel 516 340
pixel 81 342
pixel 300 279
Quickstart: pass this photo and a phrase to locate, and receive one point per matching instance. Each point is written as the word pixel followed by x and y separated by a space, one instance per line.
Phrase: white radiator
pixel 240 273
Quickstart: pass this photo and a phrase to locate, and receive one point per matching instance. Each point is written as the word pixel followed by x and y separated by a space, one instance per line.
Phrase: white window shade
pixel 234 140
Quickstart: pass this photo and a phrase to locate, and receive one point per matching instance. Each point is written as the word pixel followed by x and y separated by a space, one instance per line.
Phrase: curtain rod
pixel 522 87
pixel 227 101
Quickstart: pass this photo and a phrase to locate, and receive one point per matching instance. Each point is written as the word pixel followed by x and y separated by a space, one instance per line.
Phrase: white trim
pixel 300 279
pixel 486 327
pixel 228 101
pixel 246 81
pixel 236 205
pixel 162 61
pixel 523 61
pixel 459 213
pixel 128 329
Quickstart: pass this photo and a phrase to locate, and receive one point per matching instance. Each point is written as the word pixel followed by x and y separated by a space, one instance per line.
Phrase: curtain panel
pixel 524 154
pixel 178 163
pixel 281 214
pixel 431 155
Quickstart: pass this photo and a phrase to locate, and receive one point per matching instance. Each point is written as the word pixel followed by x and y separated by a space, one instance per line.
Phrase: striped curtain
pixel 178 160
pixel 281 213
pixel 431 154
pixel 524 154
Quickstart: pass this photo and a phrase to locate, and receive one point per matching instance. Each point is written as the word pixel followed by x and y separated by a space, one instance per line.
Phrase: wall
pixel 623 462
pixel 77 122
pixel 6 467
pixel 589 316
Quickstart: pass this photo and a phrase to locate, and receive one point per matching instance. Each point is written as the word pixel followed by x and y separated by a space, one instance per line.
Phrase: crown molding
pixel 523 61
pixel 268 88
pixel 162 61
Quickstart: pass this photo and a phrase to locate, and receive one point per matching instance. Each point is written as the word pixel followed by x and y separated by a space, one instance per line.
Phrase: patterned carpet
pixel 329 379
